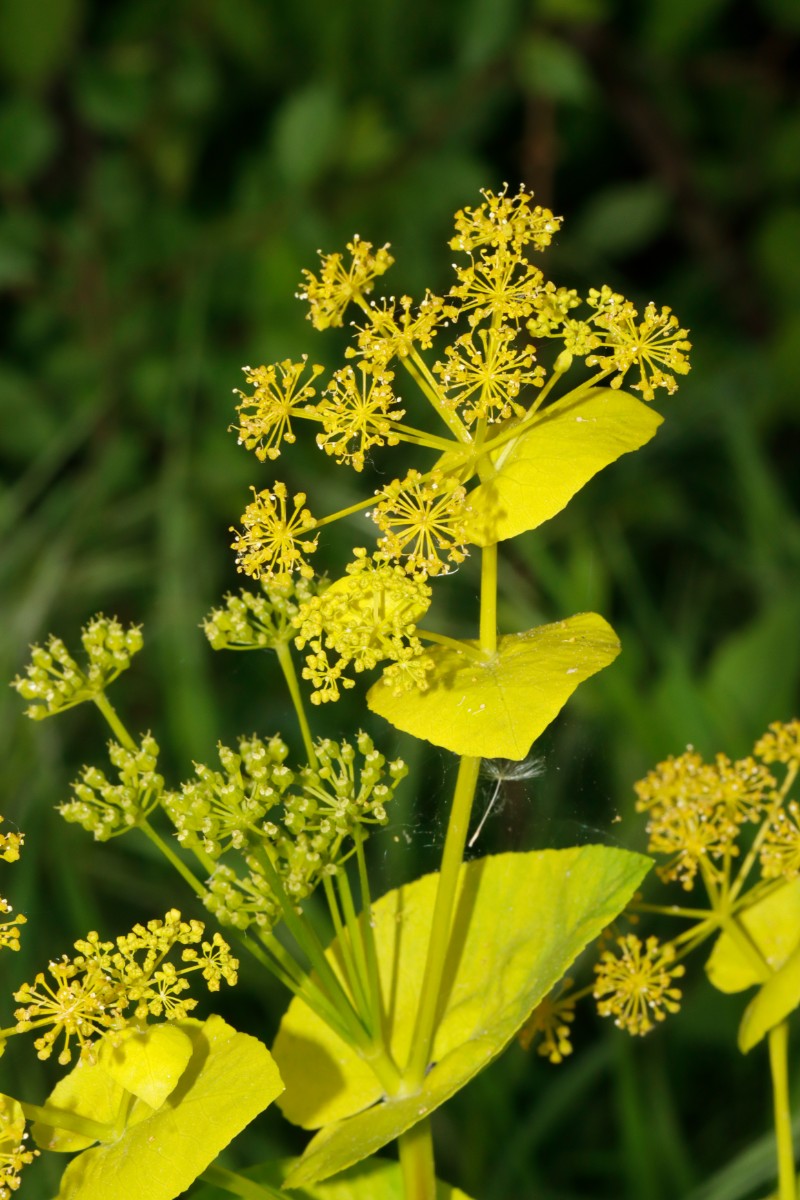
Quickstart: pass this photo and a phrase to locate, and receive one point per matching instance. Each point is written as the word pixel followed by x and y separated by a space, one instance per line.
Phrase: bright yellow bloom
pixel 483 381
pixel 272 541
pixel 655 345
pixel 422 522
pixel 358 414
pixel 506 222
pixel 278 396
pixel 636 986
pixel 396 330
pixel 366 617
pixel 337 284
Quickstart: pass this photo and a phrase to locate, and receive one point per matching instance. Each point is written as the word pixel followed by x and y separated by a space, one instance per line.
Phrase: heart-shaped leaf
pixel 494 705
pixel 539 472
pixel 520 921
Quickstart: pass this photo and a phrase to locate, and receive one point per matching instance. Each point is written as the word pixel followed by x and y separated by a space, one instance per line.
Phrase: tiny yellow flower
pixel 503 221
pixel 655 345
pixel 484 380
pixel 636 986
pixel 339 284
pixel 357 414
pixel 265 416
pixel 422 522
pixel 273 542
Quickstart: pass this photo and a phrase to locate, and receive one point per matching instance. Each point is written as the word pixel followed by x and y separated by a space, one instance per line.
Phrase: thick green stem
pixel 416 1161
pixel 778 1062
pixel 441 924
pixel 290 675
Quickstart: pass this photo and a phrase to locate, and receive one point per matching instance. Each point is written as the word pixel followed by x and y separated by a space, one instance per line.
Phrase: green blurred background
pixel 166 170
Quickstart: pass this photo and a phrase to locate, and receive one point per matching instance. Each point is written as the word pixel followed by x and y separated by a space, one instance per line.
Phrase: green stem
pixel 488 626
pixel 441 924
pixel 59 1118
pixel 239 1185
pixel 442 639
pixel 290 675
pixel 180 866
pixel 368 936
pixel 354 937
pixel 778 1058
pixel 355 977
pixel 117 728
pixel 416 1161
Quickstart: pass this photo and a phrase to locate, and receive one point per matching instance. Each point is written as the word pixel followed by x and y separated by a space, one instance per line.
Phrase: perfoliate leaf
pixel 378 1179
pixel 495 705
pixel 564 446
pixel 773 925
pixel 229 1079
pixel 772 1003
pixel 520 921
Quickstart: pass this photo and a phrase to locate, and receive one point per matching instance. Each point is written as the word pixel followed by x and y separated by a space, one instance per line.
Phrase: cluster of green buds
pixel 53 681
pixel 107 809
pixel 291 828
pixel 260 620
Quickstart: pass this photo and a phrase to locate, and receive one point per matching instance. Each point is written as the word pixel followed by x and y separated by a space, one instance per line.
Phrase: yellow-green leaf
pixel 87 1091
pixel 520 921
pixel 773 925
pixel 494 705
pixel 779 996
pixel 539 472
pixel 230 1078
pixel 148 1062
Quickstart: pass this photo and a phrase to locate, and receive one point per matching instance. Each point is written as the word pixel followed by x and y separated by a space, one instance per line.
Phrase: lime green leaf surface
pixel 773 924
pixel 772 1003
pixel 496 705
pixel 148 1062
pixel 378 1179
pixel 560 451
pixel 88 1091
pixel 520 921
pixel 230 1078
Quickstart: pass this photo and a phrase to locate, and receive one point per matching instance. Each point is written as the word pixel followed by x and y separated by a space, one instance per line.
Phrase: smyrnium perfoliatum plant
pixel 513 392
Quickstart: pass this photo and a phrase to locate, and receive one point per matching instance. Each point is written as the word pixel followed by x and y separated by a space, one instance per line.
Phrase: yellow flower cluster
pixel 696 811
pixel 91 993
pixel 486 380
pixel 636 986
pixel 549 1025
pixel 367 616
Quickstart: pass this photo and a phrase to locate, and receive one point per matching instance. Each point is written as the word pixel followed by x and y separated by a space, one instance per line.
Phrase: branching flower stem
pixel 286 663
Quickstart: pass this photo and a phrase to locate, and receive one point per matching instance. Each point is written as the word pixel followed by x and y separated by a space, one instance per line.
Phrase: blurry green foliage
pixel 166 170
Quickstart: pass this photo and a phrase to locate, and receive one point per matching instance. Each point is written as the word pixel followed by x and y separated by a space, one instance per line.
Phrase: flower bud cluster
pixel 252 621
pixel 107 809
pixel 290 828
pixel 54 681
